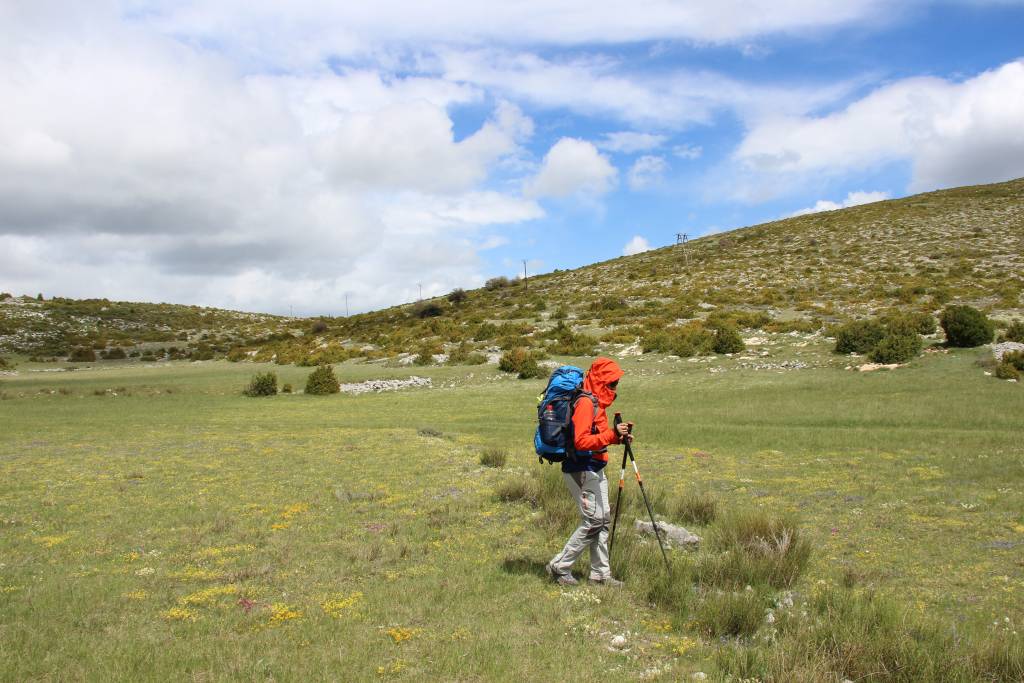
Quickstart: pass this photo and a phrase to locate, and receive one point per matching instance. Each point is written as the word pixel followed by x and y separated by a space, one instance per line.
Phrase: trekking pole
pixel 654 522
pixel 618 498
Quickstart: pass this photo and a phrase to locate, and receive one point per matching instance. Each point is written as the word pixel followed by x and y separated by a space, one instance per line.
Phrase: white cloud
pixel 647 171
pixel 316 29
pixel 852 199
pixel 629 142
pixel 952 133
pixel 167 173
pixel 637 245
pixel 689 152
pixel 573 166
pixel 594 86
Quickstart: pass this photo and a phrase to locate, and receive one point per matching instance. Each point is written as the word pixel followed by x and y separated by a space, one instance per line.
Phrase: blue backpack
pixel 555 440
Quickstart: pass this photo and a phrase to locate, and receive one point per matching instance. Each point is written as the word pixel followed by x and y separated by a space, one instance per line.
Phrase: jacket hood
pixel 602 372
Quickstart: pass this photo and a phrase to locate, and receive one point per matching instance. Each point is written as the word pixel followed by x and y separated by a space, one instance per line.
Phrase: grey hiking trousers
pixel 590 490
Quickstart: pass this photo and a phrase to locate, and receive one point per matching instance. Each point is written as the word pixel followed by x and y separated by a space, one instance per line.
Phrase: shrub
pixel 695 508
pixel 497 282
pixel 728 340
pixel 237 353
pixel 493 457
pixel 522 362
pixel 900 343
pixel 319 327
pixel 965 326
pixel 1007 371
pixel 428 309
pixel 322 381
pixel 4 296
pixel 115 353
pixel 463 354
pixel 1014 333
pixel 5 364
pixel 692 339
pixel 457 296
pixel 425 355
pixel 262 384
pixel 1015 358
pixel 82 354
pixel 286 389
pixel 858 336
pixel 570 343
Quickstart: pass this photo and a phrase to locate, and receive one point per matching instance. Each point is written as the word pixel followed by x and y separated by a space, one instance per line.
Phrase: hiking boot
pixel 607 581
pixel 560 579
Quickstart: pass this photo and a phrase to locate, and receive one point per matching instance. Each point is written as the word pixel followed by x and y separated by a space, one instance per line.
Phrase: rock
pixel 871 367
pixel 619 642
pixel 378 385
pixel 999 349
pixel 698 676
pixel 672 534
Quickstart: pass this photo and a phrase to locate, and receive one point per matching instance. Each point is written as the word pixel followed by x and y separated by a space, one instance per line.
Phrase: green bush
pixel 322 381
pixel 428 309
pixel 463 354
pixel 1015 358
pixel 457 296
pixel 858 336
pixel 499 282
pixel 522 362
pixel 692 339
pixel 286 389
pixel 82 354
pixel 728 340
pixel 262 384
pixel 1007 371
pixel 1014 333
pixel 6 364
pixel 115 353
pixel 966 327
pixel 900 343
pixel 570 343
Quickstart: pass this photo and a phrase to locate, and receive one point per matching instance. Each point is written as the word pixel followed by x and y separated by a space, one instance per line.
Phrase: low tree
pixel 966 326
pixel 322 381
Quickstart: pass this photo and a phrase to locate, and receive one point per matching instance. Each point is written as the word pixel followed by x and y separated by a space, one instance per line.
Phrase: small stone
pixel 672 534
pixel 619 642
pixel 698 676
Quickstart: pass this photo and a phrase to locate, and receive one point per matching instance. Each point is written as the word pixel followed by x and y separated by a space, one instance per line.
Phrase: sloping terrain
pixel 964 245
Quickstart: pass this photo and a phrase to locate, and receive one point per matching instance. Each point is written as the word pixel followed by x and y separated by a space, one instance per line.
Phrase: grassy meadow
pixel 155 524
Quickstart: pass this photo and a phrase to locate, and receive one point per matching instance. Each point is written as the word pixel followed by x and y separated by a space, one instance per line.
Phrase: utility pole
pixel 421 292
pixel 346 304
pixel 681 238
pixel 526 280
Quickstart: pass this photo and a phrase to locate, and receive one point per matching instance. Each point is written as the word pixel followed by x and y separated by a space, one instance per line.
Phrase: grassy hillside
pixel 964 245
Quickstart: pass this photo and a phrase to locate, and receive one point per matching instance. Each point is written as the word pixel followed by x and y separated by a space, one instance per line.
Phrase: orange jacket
pixel 594 435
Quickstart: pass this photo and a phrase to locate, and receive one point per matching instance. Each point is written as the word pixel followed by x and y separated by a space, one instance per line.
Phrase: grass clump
pixel 755 549
pixel 966 327
pixel 522 362
pixel 518 490
pixel 731 614
pixel 322 381
pixel 861 636
pixel 262 384
pixel 494 457
pixel 691 339
pixel 695 508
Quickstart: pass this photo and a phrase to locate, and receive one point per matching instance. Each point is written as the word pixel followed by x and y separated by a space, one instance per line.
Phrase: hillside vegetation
pixel 964 245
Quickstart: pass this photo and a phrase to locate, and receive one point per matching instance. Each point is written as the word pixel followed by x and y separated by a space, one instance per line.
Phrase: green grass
pixel 178 529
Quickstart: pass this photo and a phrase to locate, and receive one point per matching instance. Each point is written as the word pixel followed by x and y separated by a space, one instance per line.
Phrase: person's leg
pixel 600 568
pixel 584 490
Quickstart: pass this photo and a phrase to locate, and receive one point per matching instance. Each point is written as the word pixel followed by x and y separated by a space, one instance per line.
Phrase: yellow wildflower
pixel 393 668
pixel 281 613
pixel 136 595
pixel 132 556
pixel 207 595
pixel 180 614
pixel 337 606
pixel 293 510
pixel 50 541
pixel 280 525
pixel 683 645
pixel 399 634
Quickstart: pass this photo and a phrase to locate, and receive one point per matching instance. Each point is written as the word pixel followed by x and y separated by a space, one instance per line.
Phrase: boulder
pixel 670 533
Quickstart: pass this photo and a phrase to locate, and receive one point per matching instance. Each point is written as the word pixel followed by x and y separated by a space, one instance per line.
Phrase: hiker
pixel 584 475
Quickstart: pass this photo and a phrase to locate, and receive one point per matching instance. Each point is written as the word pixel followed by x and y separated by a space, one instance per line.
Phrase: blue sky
pixel 240 155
